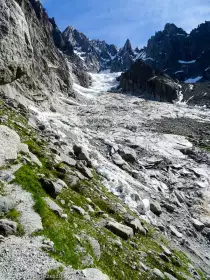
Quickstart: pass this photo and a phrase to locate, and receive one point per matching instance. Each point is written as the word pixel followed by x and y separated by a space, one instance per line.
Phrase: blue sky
pixel 117 20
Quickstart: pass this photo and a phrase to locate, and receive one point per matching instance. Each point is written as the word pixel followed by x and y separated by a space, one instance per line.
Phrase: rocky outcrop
pixel 181 55
pixel 124 58
pixel 14 36
pixel 143 80
pixel 196 94
pixel 30 62
pixel 64 45
pixel 95 55
pixel 10 143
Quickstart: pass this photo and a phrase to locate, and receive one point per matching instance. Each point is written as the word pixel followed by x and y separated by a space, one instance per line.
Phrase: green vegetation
pixel 205 147
pixel 54 274
pixel 14 215
pixel 119 262
pixel 119 258
pixel 1 188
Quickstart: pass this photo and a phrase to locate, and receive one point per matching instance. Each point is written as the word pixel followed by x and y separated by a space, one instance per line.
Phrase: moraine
pixel 166 169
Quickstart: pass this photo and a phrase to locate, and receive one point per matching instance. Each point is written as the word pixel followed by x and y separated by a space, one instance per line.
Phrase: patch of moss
pixel 2 192
pixel 34 148
pixel 14 215
pixel 54 274
pixel 206 148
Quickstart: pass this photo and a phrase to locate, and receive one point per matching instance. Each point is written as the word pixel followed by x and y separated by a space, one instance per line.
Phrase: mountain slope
pixel 173 51
pixel 179 54
pixel 94 184
pixel 25 29
pixel 96 55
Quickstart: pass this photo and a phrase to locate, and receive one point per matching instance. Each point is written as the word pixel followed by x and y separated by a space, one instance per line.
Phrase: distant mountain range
pixel 172 51
pixel 98 55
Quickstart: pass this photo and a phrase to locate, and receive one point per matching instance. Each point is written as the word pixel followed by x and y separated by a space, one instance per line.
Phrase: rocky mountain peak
pixel 171 28
pixel 181 55
pixel 76 38
pixel 127 48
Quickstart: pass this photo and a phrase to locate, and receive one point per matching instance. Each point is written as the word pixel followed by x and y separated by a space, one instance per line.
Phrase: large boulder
pixel 9 143
pixel 84 170
pixel 53 206
pixel 175 232
pixel 135 224
pixel 82 154
pixel 94 274
pixel 6 204
pixel 52 188
pixel 197 224
pixel 128 154
pixel 121 230
pixel 7 227
pixel 155 208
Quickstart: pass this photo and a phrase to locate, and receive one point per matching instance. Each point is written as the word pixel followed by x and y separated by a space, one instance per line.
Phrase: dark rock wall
pixel 142 79
pixel 166 48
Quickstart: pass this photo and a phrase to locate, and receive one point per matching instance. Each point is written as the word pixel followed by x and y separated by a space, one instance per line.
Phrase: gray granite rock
pixel 155 208
pixel 54 206
pixel 6 204
pixel 121 230
pixel 7 227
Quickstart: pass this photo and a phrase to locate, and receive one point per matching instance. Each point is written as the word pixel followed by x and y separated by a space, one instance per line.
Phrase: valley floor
pixel 147 153
pixel 154 157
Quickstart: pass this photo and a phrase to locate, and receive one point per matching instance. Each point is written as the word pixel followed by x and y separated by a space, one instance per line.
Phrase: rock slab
pixel 121 230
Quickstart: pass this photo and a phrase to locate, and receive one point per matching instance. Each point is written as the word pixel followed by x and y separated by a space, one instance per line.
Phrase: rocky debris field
pixel 97 194
pixel 95 184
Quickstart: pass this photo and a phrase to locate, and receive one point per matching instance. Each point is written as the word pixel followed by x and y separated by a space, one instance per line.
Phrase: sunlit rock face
pixel 28 53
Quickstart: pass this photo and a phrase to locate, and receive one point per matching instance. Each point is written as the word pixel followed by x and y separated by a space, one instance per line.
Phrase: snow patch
pixel 181 71
pixel 186 62
pixel 193 80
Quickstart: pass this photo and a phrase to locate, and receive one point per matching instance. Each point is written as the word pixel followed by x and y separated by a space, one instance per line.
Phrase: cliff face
pixel 30 62
pixel 142 79
pixel 181 55
pixel 95 55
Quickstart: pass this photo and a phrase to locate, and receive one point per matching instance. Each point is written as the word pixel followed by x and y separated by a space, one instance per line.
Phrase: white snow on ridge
pixel 186 62
pixel 149 58
pixel 181 71
pixel 193 80
pixel 80 54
